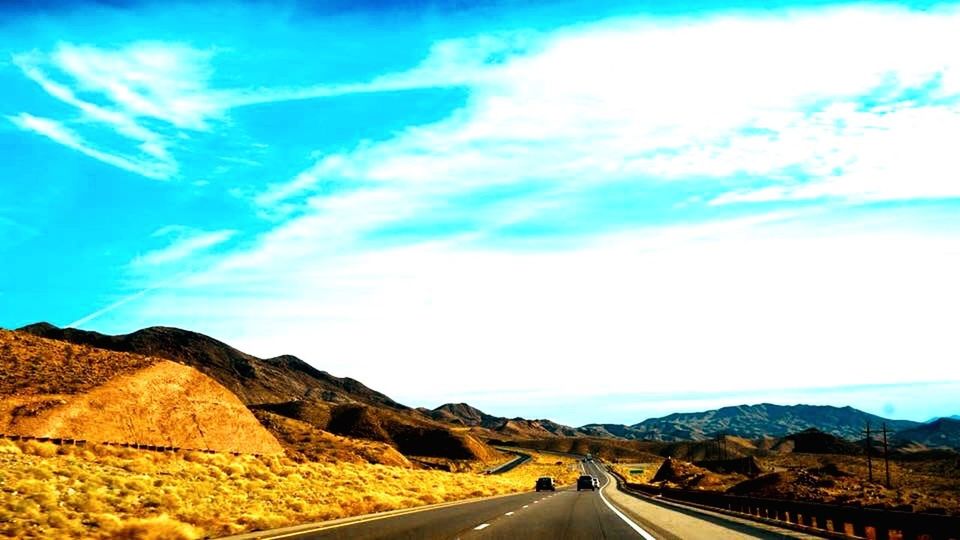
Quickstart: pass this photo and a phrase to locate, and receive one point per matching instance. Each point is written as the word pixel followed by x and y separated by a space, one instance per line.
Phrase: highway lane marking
pixel 481 527
pixel 358 520
pixel 509 514
pixel 628 521
pixel 526 506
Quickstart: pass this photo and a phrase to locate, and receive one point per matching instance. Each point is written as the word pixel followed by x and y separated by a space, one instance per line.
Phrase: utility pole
pixel 869 451
pixel 886 459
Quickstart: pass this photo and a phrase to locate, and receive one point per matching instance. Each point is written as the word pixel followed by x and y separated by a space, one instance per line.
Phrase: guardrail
pixel 138 446
pixel 829 520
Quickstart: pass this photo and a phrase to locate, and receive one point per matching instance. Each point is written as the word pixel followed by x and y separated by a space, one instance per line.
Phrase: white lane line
pixel 535 502
pixel 509 514
pixel 481 527
pixel 628 521
pixel 526 506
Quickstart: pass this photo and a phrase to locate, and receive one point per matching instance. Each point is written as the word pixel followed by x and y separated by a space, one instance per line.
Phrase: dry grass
pixel 102 492
pixel 563 469
pixel 638 472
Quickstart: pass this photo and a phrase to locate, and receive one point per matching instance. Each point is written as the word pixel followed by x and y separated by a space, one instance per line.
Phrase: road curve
pixel 562 515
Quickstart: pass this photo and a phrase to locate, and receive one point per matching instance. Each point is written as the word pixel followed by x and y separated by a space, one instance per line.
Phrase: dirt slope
pixel 52 389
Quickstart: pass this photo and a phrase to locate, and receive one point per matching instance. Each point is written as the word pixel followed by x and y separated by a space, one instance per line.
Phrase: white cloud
pixel 766 96
pixel 779 300
pixel 187 242
pixel 143 81
pixel 741 305
pixel 59 133
pixel 164 81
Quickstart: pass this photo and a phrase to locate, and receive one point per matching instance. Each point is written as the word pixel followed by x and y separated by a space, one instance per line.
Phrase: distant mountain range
pixel 753 421
pixel 288 387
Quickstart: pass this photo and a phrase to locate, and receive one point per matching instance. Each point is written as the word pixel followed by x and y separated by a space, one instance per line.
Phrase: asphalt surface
pixel 512 464
pixel 565 514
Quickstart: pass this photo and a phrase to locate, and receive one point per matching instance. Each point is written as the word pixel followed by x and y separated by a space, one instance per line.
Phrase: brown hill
pixel 678 473
pixel 55 389
pixel 942 432
pixel 252 379
pixel 730 447
pixel 291 388
pixel 305 442
pixel 814 441
pixel 462 414
pixel 606 449
pixel 412 436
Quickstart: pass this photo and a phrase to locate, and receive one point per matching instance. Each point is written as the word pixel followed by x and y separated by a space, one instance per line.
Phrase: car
pixel 596 482
pixel 585 482
pixel 545 483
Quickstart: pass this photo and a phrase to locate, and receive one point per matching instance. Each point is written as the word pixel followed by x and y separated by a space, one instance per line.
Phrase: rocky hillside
pixel 944 432
pixel 289 387
pixel 754 421
pixel 466 415
pixel 55 389
pixel 463 414
pixel 252 379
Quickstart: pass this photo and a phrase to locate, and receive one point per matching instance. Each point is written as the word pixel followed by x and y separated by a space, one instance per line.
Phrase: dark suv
pixel 545 483
pixel 585 482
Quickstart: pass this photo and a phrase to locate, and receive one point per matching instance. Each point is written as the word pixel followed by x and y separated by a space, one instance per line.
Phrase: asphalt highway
pixel 565 514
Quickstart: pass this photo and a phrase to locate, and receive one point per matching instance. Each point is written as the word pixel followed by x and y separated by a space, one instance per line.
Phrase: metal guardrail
pixel 829 520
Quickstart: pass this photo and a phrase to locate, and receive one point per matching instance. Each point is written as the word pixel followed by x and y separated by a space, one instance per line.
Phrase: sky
pixel 589 212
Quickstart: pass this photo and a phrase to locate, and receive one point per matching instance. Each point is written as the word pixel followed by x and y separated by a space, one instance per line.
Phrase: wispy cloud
pixel 57 132
pixel 186 243
pixel 162 83
pixel 678 99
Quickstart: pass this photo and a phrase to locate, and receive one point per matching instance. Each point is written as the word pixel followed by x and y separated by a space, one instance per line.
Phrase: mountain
pixel 252 379
pixel 754 421
pixel 288 387
pixel 467 415
pixel 461 413
pixel 54 389
pixel 611 430
pixel 944 432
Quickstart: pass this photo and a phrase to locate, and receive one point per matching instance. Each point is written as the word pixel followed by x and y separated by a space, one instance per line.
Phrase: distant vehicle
pixel 585 482
pixel 596 482
pixel 545 483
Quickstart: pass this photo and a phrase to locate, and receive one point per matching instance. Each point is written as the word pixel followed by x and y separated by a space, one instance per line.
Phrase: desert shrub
pixel 155 528
pixel 37 448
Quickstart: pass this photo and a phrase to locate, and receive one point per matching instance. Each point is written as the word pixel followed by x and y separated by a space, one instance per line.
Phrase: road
pixel 512 464
pixel 562 515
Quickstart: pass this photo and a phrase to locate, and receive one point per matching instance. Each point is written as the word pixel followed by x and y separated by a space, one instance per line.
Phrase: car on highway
pixel 545 483
pixel 596 482
pixel 585 482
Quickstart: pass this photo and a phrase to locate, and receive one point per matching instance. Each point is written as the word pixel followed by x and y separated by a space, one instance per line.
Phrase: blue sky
pixel 703 203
